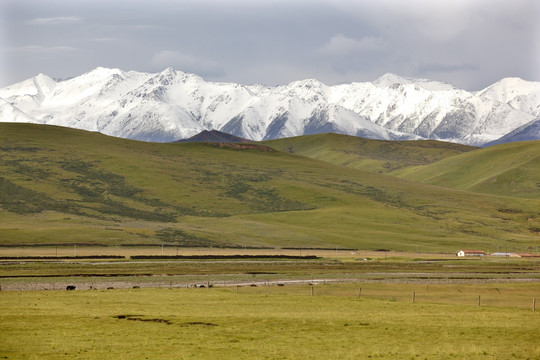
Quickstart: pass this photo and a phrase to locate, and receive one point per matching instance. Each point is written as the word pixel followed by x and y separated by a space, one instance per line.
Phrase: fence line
pixel 431 295
pixel 455 294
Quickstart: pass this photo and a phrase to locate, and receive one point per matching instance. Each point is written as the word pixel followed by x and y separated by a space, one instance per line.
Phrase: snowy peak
pixel 310 90
pixel 518 93
pixel 39 85
pixel 389 79
pixel 44 84
pixel 29 93
pixel 506 89
pixel 393 80
pixel 172 105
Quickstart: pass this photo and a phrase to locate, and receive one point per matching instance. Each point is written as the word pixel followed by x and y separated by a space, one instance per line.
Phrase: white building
pixel 462 253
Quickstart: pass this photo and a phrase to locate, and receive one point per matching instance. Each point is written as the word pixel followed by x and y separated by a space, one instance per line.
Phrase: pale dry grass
pixel 127 251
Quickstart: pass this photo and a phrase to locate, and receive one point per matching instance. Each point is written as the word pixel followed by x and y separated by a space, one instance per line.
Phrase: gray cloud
pixel 446 68
pixel 469 44
pixel 341 45
pixel 104 39
pixel 59 20
pixel 185 62
pixel 36 49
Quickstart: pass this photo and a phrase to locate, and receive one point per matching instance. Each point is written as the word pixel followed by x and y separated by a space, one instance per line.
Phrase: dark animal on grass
pixel 70 287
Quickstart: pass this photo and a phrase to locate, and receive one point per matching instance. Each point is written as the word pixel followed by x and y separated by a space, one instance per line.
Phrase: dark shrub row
pixel 61 257
pixel 220 257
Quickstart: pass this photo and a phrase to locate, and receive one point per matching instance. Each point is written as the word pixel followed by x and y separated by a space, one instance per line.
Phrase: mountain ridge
pixel 173 105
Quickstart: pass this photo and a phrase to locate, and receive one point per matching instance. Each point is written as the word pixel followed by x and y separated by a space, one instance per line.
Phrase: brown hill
pixel 214 136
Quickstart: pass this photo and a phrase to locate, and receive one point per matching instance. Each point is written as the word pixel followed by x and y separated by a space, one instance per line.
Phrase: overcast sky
pixel 467 43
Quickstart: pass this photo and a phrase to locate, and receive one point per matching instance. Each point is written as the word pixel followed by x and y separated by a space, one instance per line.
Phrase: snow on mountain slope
pixel 389 79
pixel 172 105
pixel 527 132
pixel 519 94
pixel 10 113
pixel 430 109
pixel 29 93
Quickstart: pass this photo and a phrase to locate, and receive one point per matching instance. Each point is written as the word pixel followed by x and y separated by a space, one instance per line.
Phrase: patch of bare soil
pixel 139 318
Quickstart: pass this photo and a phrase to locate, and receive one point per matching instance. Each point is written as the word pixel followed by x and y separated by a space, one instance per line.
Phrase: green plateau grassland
pixel 508 170
pixel 64 186
pixel 270 323
pixel 392 157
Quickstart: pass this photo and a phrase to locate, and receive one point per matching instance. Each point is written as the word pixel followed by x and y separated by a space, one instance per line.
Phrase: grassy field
pixel 63 186
pixel 65 192
pixel 392 157
pixel 328 267
pixel 285 323
pixel 509 170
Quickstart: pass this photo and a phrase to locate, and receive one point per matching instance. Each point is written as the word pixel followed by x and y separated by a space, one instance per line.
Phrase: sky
pixel 467 43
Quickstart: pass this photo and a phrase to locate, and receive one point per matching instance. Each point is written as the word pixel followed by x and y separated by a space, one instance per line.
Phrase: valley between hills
pixel 62 186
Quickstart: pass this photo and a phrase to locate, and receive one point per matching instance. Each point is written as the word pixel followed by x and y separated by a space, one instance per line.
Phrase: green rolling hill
pixel 392 157
pixel 64 186
pixel 511 169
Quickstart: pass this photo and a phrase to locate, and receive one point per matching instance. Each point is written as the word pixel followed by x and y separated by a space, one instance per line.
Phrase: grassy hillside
pixel 60 186
pixel 372 155
pixel 510 169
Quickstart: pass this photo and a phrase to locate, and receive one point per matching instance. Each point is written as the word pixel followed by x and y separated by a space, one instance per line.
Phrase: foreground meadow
pixel 263 323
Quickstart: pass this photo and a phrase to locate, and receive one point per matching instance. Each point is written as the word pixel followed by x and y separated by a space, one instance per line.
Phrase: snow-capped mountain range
pixel 174 105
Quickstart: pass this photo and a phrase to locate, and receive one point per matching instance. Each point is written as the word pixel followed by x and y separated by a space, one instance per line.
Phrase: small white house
pixel 462 253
